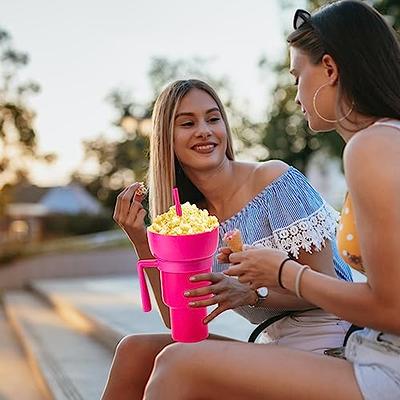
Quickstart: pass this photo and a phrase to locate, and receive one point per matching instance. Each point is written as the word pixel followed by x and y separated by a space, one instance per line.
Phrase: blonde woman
pixel 272 204
pixel 346 62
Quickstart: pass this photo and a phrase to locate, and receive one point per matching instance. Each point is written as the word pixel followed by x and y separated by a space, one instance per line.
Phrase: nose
pixel 204 130
pixel 296 99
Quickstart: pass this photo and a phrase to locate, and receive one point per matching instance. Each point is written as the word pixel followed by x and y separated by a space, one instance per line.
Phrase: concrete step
pixel 110 308
pixel 16 378
pixel 69 364
pixel 105 308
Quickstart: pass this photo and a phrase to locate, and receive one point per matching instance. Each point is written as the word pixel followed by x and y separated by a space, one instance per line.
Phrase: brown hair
pixel 366 50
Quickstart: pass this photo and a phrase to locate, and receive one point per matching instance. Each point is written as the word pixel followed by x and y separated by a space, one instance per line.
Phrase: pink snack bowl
pixel 178 258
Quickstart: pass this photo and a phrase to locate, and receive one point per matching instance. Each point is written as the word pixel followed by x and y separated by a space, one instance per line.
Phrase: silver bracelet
pixel 300 273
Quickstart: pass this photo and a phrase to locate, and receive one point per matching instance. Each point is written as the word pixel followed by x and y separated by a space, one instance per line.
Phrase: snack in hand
pixel 192 221
pixel 141 190
pixel 233 239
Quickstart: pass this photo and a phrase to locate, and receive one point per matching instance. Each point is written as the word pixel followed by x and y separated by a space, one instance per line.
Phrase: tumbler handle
pixel 144 291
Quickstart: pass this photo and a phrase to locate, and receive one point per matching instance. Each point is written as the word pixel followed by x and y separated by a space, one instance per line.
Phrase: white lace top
pixel 289 214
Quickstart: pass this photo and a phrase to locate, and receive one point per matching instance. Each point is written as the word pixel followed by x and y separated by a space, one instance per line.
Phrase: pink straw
pixel 175 195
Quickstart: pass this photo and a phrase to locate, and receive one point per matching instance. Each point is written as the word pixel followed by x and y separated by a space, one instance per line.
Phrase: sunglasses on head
pixel 300 18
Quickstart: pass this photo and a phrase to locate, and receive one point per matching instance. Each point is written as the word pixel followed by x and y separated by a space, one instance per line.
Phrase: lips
pixel 204 148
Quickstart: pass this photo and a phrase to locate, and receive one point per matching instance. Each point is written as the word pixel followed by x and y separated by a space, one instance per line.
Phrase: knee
pixel 177 361
pixel 132 347
pixel 174 356
pixel 128 344
pixel 171 369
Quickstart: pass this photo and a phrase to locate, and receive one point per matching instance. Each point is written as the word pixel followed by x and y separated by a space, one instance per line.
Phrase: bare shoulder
pixel 268 171
pixel 373 146
pixel 372 159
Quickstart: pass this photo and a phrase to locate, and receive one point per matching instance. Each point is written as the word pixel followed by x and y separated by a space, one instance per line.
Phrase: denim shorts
pixel 376 361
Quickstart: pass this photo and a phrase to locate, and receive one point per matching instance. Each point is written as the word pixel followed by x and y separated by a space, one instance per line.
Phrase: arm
pixel 320 261
pixel 355 302
pixel 371 165
pixel 227 293
pixel 305 198
pixel 129 214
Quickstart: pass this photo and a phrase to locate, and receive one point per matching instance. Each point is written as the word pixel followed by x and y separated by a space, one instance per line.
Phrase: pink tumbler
pixel 178 258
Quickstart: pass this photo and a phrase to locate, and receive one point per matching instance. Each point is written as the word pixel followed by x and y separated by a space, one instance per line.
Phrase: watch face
pixel 262 292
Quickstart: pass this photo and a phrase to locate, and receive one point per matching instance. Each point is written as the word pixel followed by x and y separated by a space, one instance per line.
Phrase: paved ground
pixel 79 278
pixel 116 302
pixel 14 370
pixel 73 264
pixel 108 287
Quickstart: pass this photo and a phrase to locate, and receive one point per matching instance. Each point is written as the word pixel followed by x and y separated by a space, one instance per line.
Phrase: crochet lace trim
pixel 307 233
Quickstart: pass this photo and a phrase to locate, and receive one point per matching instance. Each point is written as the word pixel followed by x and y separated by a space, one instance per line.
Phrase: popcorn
pixel 141 190
pixel 192 221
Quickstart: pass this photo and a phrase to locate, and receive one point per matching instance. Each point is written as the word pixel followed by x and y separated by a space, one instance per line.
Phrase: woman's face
pixel 309 78
pixel 200 137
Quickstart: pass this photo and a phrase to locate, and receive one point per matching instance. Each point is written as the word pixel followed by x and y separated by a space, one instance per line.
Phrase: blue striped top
pixel 290 215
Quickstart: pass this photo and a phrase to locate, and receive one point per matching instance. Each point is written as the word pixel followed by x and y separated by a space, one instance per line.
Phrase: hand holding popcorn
pixel 129 212
pixel 142 190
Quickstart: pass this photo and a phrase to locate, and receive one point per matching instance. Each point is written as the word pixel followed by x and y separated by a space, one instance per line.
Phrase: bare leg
pixel 212 371
pixel 132 365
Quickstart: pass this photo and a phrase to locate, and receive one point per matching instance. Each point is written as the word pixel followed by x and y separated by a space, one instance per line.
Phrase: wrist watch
pixel 262 294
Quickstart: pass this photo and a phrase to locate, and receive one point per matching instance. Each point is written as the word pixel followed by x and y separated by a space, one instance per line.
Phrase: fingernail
pixel 186 294
pixel 192 278
pixel 192 303
pixel 205 321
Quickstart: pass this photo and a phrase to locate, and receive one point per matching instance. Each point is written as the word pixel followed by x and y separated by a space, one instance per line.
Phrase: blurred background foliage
pixel 283 134
pixel 18 138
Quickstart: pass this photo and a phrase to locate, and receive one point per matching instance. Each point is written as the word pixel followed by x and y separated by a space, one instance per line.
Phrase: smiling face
pixel 309 78
pixel 200 136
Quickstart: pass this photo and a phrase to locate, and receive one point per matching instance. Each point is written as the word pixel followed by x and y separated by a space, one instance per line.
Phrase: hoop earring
pixel 332 121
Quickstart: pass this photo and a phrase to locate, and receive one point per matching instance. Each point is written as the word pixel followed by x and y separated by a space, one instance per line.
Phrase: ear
pixel 330 68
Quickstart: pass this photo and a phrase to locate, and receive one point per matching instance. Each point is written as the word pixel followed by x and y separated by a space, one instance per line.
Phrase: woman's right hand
pixel 129 213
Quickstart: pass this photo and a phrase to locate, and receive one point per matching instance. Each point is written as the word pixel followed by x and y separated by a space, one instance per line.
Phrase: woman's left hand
pixel 256 267
pixel 226 292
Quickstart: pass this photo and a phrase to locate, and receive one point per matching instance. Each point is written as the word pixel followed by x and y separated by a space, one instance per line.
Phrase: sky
pixel 81 50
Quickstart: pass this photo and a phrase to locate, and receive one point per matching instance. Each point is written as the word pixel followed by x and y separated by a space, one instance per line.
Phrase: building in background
pixel 32 207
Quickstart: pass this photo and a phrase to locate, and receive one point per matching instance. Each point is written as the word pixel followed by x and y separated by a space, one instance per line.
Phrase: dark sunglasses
pixel 300 18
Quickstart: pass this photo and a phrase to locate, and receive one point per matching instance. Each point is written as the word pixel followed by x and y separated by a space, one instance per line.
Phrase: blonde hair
pixel 164 169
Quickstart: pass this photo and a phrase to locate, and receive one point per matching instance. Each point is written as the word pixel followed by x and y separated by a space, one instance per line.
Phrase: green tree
pixel 286 134
pixel 18 139
pixel 391 9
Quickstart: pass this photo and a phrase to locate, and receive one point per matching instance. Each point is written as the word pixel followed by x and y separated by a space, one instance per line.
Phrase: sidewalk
pixel 68 264
pixel 115 301
pixel 14 370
